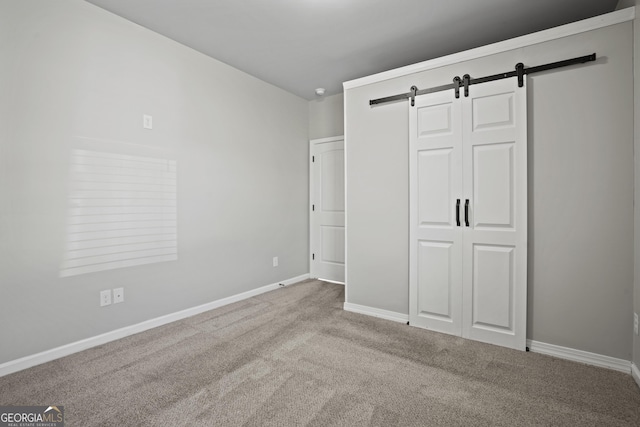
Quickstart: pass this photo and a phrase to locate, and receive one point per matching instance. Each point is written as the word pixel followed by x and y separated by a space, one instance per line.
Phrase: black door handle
pixel 458 212
pixel 466 212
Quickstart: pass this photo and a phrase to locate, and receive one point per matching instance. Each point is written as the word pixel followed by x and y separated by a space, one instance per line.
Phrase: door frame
pixel 312 143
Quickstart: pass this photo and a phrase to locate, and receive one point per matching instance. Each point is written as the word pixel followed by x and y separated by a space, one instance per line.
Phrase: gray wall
pixel 636 73
pixel 623 4
pixel 326 117
pixel 69 69
pixel 580 129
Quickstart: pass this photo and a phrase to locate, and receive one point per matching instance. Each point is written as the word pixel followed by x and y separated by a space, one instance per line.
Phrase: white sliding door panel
pixel 468 213
pixel 327 222
pixel 495 243
pixel 435 187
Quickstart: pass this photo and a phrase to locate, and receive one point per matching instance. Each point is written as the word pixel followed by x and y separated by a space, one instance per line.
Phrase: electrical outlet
pixel 147 121
pixel 635 323
pixel 118 295
pixel 105 297
pixel 275 261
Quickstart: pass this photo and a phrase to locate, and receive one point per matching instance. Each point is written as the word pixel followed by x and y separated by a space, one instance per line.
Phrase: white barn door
pixel 495 243
pixel 435 188
pixel 327 234
pixel 468 213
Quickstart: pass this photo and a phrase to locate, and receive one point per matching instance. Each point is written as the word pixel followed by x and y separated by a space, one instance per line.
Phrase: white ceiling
pixel 299 45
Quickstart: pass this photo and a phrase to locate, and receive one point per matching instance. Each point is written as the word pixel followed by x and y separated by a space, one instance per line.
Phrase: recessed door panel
pixel 332 244
pixel 332 180
pixel 434 120
pixel 492 112
pixel 493 186
pixel 435 281
pixel 434 187
pixel 493 287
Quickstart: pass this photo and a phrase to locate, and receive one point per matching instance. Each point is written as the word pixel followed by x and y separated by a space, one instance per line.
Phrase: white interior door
pixel 468 213
pixel 327 234
pixel 435 252
pixel 495 242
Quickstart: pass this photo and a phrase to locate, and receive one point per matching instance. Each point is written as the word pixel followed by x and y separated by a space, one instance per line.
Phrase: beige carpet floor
pixel 293 357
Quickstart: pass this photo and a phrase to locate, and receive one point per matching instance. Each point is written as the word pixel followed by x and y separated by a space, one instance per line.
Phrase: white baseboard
pixel 635 373
pixel 377 312
pixel 65 350
pixel 580 356
pixel 534 346
pixel 331 281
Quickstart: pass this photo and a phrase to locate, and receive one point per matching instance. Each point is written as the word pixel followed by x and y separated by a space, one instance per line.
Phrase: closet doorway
pixel 468 213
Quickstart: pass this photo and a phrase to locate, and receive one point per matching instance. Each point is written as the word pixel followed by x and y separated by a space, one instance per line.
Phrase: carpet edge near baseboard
pixel 376 312
pixel 84 344
pixel 580 356
pixel 566 353
pixel 635 373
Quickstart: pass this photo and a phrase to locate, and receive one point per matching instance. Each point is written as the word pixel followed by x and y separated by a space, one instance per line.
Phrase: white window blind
pixel 122 212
